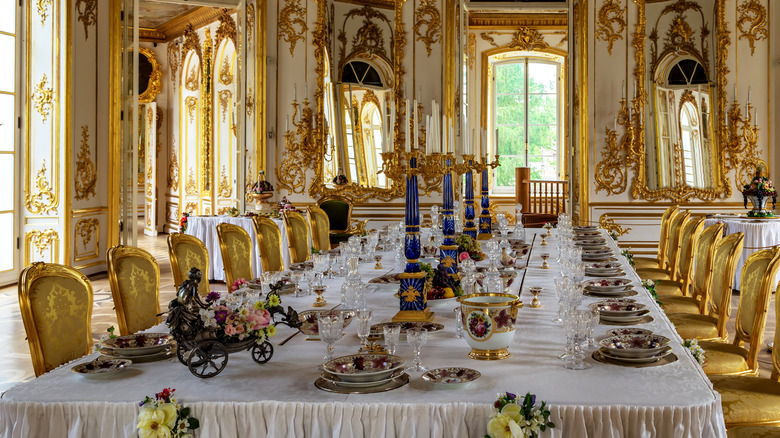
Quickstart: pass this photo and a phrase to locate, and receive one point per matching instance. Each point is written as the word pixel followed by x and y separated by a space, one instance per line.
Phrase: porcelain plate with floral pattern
pixel 364 367
pixel 101 367
pixel 139 344
pixel 451 377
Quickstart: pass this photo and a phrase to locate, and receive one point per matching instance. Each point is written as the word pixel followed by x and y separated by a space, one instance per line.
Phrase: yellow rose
pixel 503 426
pixel 156 423
pixel 512 410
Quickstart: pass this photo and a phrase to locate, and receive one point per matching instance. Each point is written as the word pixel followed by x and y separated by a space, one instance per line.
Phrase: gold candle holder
pixel 544 240
pixel 545 265
pixel 378 260
pixel 535 302
pixel 319 301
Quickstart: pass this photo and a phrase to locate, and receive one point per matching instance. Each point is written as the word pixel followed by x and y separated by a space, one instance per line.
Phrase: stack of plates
pixel 596 255
pixel 140 347
pixel 369 370
pixel 591 243
pixel 586 234
pixel 622 311
pixel 604 269
pixel 635 348
pixel 608 286
pixel 310 327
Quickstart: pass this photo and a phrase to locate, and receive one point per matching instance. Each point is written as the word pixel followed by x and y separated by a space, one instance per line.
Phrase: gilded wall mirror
pixel 149 76
pixel 678 156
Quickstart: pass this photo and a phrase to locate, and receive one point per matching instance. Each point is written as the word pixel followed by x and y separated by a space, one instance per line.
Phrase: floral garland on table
pixel 518 418
pixel 614 235
pixel 238 284
pixel 650 286
pixel 695 349
pixel 183 222
pixel 238 321
pixel 162 416
pixel 630 257
pixel 105 337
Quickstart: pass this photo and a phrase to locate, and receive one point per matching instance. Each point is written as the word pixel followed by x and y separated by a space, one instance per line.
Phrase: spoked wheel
pixel 183 354
pixel 261 353
pixel 208 359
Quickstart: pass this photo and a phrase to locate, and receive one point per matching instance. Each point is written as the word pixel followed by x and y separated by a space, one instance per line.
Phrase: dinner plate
pixel 608 284
pixel 431 327
pixel 451 376
pixel 360 367
pixel 635 346
pixel 398 382
pixel 620 273
pixel 609 293
pixel 139 344
pixel 101 367
pixel 335 380
pixel 619 308
pixel 649 359
pixel 443 302
pixel 629 331
pixel 154 357
pixel 630 319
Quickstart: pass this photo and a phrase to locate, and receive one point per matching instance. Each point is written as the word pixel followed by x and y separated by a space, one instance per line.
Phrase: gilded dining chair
pixel 134 277
pixel 752 401
pixel 766 431
pixel 320 228
pixel 712 327
pixel 235 245
pixel 56 306
pixel 187 252
pixel 703 260
pixel 755 291
pixel 269 243
pixel 679 283
pixel 339 211
pixel 660 260
pixel 674 240
pixel 297 236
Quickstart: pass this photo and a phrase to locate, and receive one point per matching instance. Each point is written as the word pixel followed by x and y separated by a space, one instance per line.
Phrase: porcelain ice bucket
pixel 489 323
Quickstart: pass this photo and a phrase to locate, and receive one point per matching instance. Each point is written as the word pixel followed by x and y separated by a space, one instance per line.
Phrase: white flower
pixel 207 316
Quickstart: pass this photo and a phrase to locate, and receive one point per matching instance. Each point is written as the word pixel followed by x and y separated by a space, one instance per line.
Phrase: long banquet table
pixel 279 399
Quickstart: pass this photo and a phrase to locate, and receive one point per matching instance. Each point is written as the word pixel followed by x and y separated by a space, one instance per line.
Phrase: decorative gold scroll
pixel 43 10
pixel 42 198
pixel 610 225
pixel 225 189
pixel 173 172
pixel 43 98
pixel 427 17
pixel 224 97
pixel 205 114
pixel 85 175
pixel 610 23
pixel 155 78
pixel 174 59
pixel 523 38
pixel 87 10
pixel 40 241
pixel 752 23
pixel 292 23
pixel 250 24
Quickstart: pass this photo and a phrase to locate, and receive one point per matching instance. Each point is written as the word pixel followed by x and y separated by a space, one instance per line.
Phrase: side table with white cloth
pixel 759 234
pixel 279 398
pixel 205 229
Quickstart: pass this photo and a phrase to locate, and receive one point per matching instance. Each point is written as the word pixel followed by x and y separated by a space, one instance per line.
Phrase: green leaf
pixel 194 423
pixel 185 412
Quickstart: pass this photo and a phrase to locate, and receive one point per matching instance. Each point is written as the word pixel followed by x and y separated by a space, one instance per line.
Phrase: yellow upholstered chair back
pixel 675 236
pixel 269 243
pixel 776 349
pixel 704 257
pixel 187 252
pixel 297 236
pixel 755 290
pixel 663 238
pixel 235 245
pixel 134 277
pixel 690 238
pixel 56 306
pixel 320 228
pixel 727 253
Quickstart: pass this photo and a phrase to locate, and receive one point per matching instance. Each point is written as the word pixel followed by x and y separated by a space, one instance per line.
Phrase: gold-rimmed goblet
pixel 535 292
pixel 545 265
pixel 319 301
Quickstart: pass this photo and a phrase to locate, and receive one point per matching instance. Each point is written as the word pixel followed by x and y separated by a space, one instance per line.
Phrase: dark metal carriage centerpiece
pixel 205 348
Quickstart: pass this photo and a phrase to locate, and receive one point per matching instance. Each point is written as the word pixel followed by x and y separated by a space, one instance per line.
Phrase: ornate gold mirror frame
pixel 154 85
pixel 629 152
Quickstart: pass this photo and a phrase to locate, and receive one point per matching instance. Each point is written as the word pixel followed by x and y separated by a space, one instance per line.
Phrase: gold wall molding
pixel 301 151
pixel 87 229
pixel 197 18
pixel 752 23
pixel 472 50
pixel 42 199
pixel 504 21
pixel 524 38
pixel 225 73
pixel 610 23
pixel 191 102
pixel 191 207
pixel 173 172
pixel 174 60
pixel 43 98
pixel 368 39
pixel 610 225
pixel 192 82
pixel 292 23
pixel 611 172
pixel 224 97
pixel 43 10
pixel 205 114
pixel 40 241
pixel 679 37
pixel 225 189
pixel 249 107
pixel 155 78
pixel 427 16
pixel 226 29
pixel 191 187
pixel 87 10
pixel 191 42
pixel 250 24
pixel 86 176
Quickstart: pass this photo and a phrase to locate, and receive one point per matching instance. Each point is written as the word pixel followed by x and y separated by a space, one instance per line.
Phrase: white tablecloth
pixel 759 233
pixel 279 398
pixel 205 229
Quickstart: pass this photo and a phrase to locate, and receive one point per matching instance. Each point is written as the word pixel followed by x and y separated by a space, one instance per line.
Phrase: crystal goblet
pixel 391 332
pixel 416 338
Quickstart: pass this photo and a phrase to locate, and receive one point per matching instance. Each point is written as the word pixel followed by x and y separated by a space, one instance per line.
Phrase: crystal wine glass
pixel 331 328
pixel 391 333
pixel 363 317
pixel 576 327
pixel 416 337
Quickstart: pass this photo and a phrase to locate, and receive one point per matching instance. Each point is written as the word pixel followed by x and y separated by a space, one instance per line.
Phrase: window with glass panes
pixel 8 137
pixel 526 114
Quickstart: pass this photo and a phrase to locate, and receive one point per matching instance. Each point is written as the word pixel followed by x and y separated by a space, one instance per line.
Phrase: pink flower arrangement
pixel 245 321
pixel 238 284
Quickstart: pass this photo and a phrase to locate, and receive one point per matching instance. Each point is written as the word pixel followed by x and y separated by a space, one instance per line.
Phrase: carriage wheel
pixel 208 359
pixel 261 353
pixel 183 354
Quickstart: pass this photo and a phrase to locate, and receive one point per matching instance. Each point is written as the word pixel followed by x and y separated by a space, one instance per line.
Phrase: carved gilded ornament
pixel 301 151
pixel 191 102
pixel 174 58
pixel 752 23
pixel 85 175
pixel 42 240
pixel 43 9
pixel 85 229
pixel 225 189
pixel 225 73
pixel 527 39
pixel 205 113
pixel 155 78
pixel 87 10
pixel 250 24
pixel 42 198
pixel 191 187
pixel 250 102
pixel 43 97
pixel 610 225
pixel 368 39
pixel 224 97
pixel 191 42
pixel 173 173
pixel 472 50
pixel 191 207
pixel 226 29
pixel 680 35
pixel 610 23
pixel 192 83
pixel 292 23
pixel 427 17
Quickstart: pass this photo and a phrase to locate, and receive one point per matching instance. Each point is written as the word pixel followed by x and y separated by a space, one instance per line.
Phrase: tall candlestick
pixel 448 251
pixel 406 126
pixel 416 129
pixel 748 101
pixel 295 91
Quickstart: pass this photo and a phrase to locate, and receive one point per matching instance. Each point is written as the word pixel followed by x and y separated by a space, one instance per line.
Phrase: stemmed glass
pixel 363 326
pixel 493 253
pixel 321 263
pixel 416 338
pixel 391 333
pixel 576 326
pixel 331 328
pixel 468 269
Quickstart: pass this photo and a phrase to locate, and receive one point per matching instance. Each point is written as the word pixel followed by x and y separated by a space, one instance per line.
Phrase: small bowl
pixel 364 367
pixel 629 331
pixel 101 367
pixel 635 345
pixel 608 284
pixel 611 309
pixel 309 325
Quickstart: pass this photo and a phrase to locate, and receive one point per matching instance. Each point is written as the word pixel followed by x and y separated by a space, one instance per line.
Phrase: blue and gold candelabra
pixel 413 302
pixel 469 227
pixel 485 224
pixel 448 251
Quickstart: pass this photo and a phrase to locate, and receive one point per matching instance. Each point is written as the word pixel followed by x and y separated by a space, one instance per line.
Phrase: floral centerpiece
pixel 439 284
pixel 758 191
pixel 518 418
pixel 236 321
pixel 695 349
pixel 261 185
pixel 650 286
pixel 260 192
pixel 183 222
pixel 238 284
pixel 470 246
pixel 162 416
